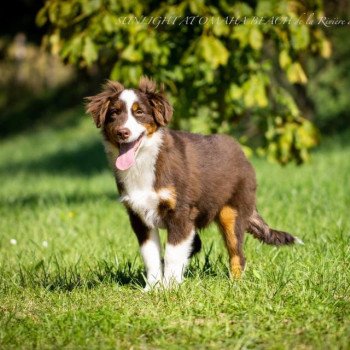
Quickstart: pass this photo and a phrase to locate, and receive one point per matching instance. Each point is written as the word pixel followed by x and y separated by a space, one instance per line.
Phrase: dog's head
pixel 129 117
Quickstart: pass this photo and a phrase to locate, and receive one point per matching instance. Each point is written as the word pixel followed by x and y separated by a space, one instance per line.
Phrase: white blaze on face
pixel 129 98
pixel 130 146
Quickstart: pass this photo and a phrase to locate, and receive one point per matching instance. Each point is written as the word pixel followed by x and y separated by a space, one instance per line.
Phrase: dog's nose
pixel 123 133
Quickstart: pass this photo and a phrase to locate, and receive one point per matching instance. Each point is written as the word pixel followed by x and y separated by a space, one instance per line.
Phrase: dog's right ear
pixel 161 108
pixel 97 106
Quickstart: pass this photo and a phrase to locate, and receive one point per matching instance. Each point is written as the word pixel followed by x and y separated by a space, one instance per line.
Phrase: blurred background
pixel 277 85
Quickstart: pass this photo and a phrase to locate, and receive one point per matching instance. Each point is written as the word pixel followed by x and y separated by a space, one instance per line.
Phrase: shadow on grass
pixel 202 264
pixel 47 199
pixel 27 111
pixel 52 276
pixel 85 160
pixel 333 142
pixel 56 109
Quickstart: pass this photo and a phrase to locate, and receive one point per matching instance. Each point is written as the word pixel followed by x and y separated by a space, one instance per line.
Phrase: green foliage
pixel 226 71
pixel 329 89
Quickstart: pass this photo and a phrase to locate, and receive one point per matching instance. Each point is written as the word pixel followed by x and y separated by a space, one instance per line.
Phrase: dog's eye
pixel 139 112
pixel 112 115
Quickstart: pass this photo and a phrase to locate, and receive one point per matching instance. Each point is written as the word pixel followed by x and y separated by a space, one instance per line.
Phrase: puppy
pixel 176 180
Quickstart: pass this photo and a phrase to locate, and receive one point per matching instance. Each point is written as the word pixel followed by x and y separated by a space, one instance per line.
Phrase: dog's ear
pixel 161 108
pixel 97 106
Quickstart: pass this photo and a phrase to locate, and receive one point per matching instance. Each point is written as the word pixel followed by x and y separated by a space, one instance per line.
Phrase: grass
pixel 74 277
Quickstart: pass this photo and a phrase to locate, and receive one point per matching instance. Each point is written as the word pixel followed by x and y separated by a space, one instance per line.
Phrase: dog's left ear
pixel 97 106
pixel 162 109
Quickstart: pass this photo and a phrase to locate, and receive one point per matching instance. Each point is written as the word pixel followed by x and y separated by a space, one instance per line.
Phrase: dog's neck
pixel 136 184
pixel 142 173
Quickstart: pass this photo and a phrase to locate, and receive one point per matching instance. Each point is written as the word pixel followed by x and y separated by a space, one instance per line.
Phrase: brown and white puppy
pixel 176 180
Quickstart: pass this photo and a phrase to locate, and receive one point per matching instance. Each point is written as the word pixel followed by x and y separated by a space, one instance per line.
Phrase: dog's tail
pixel 261 230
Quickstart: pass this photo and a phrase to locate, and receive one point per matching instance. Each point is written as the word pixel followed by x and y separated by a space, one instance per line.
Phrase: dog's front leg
pixel 177 252
pixel 151 255
pixel 150 250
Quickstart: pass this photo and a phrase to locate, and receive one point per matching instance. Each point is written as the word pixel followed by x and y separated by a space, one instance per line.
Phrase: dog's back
pixel 208 172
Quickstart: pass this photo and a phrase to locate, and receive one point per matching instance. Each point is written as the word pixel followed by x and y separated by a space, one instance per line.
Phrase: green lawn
pixel 74 277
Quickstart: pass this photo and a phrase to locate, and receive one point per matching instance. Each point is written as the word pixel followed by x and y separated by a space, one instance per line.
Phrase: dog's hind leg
pixel 230 225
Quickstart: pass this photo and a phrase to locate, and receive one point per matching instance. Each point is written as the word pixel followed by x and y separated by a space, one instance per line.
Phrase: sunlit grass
pixel 71 276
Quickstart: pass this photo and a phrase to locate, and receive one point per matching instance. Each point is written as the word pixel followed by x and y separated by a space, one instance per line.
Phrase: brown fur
pixel 162 110
pixel 98 105
pixel 260 230
pixel 209 176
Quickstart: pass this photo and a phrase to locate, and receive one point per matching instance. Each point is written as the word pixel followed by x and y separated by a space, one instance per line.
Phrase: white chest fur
pixel 138 181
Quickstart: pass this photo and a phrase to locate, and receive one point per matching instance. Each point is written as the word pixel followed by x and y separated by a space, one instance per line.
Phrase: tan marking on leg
pixel 227 221
pixel 235 266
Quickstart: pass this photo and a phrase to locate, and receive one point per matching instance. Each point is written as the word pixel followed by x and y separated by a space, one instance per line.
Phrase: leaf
pixel 213 51
pixel 196 6
pixel 241 9
pixel 254 92
pixel 90 51
pixel 296 74
pixel 307 135
pixel 41 17
pixel 264 8
pixel 300 36
pixel 132 54
pixel 72 49
pixel 150 45
pixel 115 72
pixel 247 151
pixel 201 123
pixel 235 92
pixel 134 73
pixel 90 6
pixel 286 141
pixel 248 97
pixel 53 11
pixel 55 43
pixel 241 33
pixel 65 8
pixel 109 23
pixel 221 28
pixel 326 48
pixel 284 59
pixel 255 38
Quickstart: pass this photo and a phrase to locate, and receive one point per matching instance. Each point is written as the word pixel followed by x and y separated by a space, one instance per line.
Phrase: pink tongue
pixel 126 156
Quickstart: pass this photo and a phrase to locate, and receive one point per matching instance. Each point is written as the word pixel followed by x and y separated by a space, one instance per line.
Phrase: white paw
pixel 298 241
pixel 152 285
pixel 171 282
